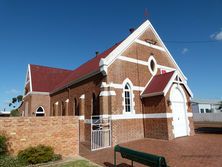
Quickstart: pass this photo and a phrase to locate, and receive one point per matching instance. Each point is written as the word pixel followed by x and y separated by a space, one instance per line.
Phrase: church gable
pixel 149 37
pixel 142 53
pixel 139 46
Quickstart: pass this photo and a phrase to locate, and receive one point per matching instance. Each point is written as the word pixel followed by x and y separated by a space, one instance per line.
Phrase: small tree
pixel 19 98
pixel 15 101
pixel 15 113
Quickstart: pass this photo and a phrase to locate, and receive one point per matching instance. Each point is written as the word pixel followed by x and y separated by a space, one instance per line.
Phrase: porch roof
pixel 157 84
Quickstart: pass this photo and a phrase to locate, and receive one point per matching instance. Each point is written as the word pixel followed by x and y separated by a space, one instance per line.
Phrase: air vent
pixel 150 41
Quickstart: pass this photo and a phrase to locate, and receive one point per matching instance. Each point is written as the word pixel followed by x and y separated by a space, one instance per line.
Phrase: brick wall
pixel 40 100
pixel 34 101
pixel 155 104
pixel 143 52
pixel 127 130
pixel 157 128
pixel 62 133
pixel 87 88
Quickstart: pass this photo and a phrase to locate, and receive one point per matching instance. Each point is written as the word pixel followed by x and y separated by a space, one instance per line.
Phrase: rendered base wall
pixel 61 133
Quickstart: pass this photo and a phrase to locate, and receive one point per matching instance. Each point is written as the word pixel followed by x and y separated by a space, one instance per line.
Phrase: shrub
pixel 38 154
pixel 56 157
pixel 15 113
pixel 3 145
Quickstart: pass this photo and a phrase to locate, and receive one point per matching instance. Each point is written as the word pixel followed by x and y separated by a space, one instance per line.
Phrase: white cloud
pixel 185 50
pixel 217 36
pixel 12 91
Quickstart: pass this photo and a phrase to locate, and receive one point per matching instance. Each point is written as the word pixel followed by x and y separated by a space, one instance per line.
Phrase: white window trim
pixel 82 96
pixel 127 81
pixel 107 93
pixel 120 86
pixel 151 58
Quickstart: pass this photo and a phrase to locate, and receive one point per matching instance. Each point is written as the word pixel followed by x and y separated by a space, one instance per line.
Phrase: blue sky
pixel 67 33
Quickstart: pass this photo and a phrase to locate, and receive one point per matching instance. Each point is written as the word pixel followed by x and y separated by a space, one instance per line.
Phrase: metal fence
pixel 100 132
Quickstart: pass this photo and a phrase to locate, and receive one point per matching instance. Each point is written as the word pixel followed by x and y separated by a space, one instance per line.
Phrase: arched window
pixel 95 105
pixel 152 65
pixel 40 112
pixel 75 107
pixel 127 98
pixel 63 108
pixel 55 109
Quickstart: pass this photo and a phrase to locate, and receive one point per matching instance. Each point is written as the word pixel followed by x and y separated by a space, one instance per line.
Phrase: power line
pixel 184 42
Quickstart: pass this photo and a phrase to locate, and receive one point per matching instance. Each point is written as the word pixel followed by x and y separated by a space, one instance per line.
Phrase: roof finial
pixel 146 14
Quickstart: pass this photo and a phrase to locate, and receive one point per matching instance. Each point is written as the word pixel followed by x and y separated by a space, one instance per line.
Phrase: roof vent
pixel 131 30
pixel 150 41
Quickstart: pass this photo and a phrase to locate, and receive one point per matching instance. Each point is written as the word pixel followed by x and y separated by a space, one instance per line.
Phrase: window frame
pixel 37 112
pixel 151 61
pixel 128 100
pixel 202 111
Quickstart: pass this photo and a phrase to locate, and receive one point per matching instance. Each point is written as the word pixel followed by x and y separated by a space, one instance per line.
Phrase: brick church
pixel 136 83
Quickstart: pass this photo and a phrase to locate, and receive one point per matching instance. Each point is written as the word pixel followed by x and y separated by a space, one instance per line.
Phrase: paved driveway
pixel 199 150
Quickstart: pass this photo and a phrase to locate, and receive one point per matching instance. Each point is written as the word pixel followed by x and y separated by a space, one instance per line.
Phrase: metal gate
pixel 100 132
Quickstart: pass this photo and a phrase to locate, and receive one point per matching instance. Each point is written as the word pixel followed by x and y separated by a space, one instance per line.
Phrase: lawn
pixel 76 163
pixel 8 161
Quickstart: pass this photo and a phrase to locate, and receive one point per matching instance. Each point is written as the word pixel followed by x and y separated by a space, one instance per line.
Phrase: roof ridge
pixel 99 56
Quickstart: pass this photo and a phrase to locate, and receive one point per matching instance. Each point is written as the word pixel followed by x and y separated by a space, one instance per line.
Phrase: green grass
pixel 9 161
pixel 77 163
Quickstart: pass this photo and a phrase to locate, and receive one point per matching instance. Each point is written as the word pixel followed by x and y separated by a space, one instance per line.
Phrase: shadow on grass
pixel 108 164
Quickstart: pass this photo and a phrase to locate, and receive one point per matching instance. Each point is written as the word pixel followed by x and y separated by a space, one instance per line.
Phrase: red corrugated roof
pixel 44 79
pixel 88 67
pixel 47 79
pixel 158 84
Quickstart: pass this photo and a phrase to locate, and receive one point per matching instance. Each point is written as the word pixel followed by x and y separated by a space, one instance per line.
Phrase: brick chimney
pixel 131 30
